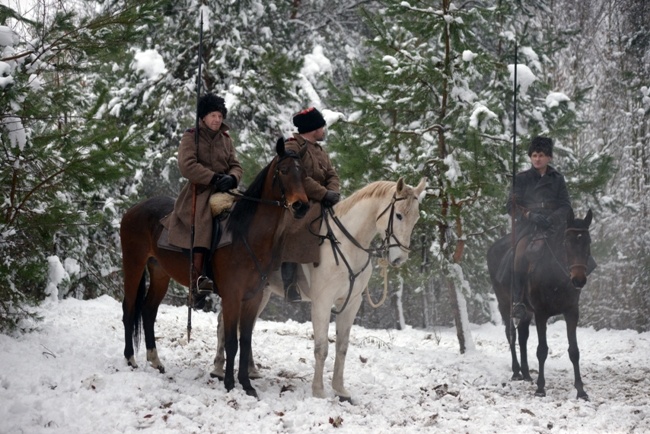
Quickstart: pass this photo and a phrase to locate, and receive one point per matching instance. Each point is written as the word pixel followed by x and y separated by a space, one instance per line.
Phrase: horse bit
pixel 379 252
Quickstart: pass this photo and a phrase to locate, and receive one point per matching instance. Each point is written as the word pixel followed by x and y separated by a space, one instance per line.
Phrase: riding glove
pixel 225 183
pixel 540 220
pixel 330 198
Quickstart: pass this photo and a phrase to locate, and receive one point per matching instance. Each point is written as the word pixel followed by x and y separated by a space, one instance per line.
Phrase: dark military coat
pixel 543 194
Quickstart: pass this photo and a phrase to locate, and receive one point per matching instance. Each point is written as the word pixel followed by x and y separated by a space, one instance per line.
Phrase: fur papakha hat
pixel 541 144
pixel 209 103
pixel 308 120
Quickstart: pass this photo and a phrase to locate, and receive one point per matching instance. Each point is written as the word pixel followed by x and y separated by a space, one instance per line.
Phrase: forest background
pixel 95 95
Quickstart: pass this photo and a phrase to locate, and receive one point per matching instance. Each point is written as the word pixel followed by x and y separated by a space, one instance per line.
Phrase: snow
pixel 525 77
pixel 150 62
pixel 69 376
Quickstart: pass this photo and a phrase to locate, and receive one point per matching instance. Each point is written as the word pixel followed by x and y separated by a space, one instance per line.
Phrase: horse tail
pixel 137 310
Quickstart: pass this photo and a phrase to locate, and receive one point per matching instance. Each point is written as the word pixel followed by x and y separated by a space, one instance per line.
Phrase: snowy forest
pixel 95 95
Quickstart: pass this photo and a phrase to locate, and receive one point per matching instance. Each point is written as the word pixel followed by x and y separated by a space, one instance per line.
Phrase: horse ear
pixel 570 217
pixel 279 146
pixel 400 185
pixel 420 188
pixel 588 218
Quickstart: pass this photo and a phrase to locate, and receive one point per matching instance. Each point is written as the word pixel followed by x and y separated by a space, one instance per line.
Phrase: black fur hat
pixel 541 144
pixel 308 120
pixel 209 103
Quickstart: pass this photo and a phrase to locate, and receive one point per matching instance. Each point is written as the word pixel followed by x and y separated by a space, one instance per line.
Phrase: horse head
pixel 398 219
pixel 577 244
pixel 290 176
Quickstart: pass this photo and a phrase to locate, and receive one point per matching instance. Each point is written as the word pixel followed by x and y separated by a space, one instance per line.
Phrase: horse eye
pixel 579 237
pixel 399 216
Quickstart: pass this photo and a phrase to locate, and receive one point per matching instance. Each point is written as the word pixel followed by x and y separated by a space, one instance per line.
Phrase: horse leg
pixel 571 319
pixel 220 358
pixel 246 324
pixel 134 293
pixel 320 317
pixel 542 353
pixel 523 330
pixel 344 322
pixel 230 307
pixel 158 282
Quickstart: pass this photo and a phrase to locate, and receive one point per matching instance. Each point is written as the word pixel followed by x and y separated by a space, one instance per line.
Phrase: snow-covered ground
pixel 69 376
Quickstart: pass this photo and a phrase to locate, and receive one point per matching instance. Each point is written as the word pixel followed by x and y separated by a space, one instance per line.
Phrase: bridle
pixel 280 203
pixel 379 252
pixel 276 178
pixel 567 270
pixel 576 265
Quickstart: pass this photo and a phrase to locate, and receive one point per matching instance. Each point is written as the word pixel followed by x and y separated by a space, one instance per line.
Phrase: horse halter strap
pixel 281 203
pixel 577 265
pixel 385 244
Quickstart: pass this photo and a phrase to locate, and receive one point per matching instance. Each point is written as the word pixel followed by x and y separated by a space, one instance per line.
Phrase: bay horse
pixel 383 207
pixel 240 268
pixel 554 281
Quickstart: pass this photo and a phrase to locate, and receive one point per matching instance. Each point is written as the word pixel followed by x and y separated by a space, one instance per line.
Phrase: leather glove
pixel 540 220
pixel 330 198
pixel 225 183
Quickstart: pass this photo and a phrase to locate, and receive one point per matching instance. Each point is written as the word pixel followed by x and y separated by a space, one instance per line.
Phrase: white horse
pixel 383 207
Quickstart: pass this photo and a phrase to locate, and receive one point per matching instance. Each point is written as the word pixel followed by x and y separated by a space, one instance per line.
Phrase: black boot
pixel 289 277
pixel 519 282
pixel 204 284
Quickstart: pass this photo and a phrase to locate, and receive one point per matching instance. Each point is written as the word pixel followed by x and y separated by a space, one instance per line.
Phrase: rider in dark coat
pixel 541 205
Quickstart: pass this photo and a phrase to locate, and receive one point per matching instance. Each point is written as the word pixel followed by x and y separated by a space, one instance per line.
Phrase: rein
pixel 565 267
pixel 380 252
pixel 280 203
pixel 283 204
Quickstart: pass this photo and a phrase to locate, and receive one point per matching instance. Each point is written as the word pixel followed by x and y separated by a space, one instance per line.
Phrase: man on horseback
pixel 540 204
pixel 211 166
pixel 301 244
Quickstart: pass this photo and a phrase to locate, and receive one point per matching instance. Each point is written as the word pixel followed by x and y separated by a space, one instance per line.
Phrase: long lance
pixel 190 301
pixel 512 196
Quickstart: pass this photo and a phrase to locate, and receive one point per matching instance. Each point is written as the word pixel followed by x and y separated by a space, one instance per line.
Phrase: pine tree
pixel 60 154
pixel 434 97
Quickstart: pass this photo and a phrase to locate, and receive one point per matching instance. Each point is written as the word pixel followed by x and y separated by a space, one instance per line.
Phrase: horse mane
pixel 372 190
pixel 244 210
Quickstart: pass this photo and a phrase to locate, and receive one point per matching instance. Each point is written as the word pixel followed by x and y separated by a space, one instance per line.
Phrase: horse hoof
pixel 252 392
pixel 583 396
pixel 540 394
pixel 516 377
pixel 345 399
pixel 217 376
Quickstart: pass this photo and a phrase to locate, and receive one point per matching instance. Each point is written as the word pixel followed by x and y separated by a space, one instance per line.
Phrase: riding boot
pixel 203 283
pixel 289 278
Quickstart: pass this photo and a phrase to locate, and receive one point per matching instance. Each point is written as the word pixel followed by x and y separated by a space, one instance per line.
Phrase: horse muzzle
pixel 578 275
pixel 299 209
pixel 397 256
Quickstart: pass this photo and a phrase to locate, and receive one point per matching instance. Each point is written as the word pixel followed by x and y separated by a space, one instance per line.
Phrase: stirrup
pixel 204 285
pixel 518 311
pixel 291 294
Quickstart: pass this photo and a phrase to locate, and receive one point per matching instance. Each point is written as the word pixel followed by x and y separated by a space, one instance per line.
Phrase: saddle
pixel 220 204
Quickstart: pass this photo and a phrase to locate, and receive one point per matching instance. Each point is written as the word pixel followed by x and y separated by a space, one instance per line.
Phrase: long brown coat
pixel 300 244
pixel 216 155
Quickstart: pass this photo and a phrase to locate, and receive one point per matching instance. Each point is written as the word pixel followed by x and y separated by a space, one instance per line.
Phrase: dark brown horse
pixel 240 268
pixel 555 279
